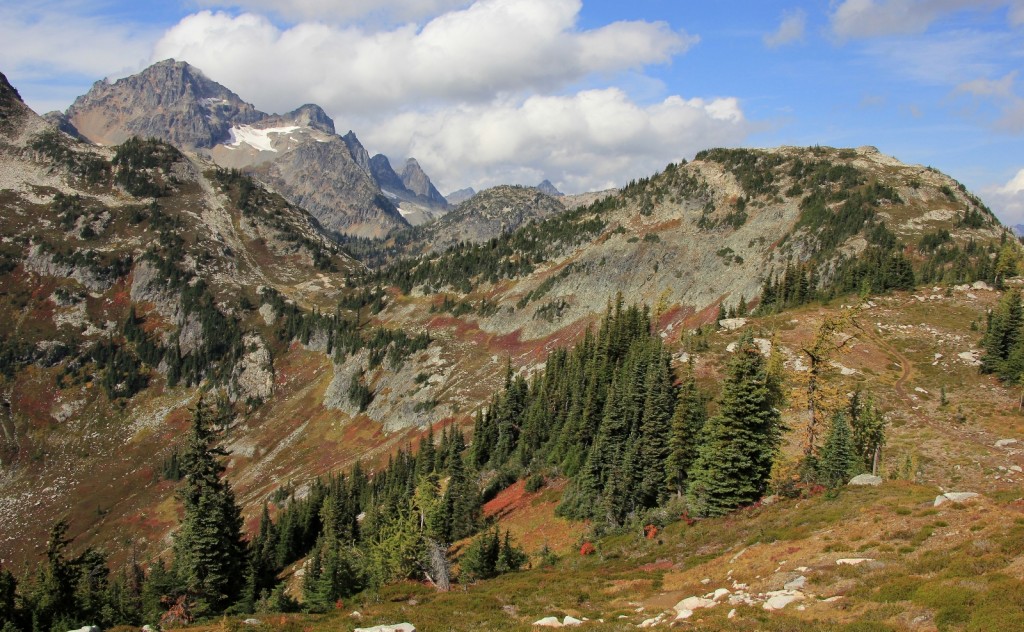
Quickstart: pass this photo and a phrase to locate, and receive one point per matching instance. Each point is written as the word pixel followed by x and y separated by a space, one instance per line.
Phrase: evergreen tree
pixel 51 601
pixel 1003 333
pixel 209 553
pixel 735 458
pixel 655 431
pixel 686 431
pixel 868 430
pixel 8 589
pixel 838 458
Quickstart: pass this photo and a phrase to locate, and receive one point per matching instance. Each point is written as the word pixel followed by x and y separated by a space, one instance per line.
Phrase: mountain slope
pixel 133 278
pixel 487 214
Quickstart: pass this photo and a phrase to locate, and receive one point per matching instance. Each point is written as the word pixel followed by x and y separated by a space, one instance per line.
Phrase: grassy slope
pixel 958 566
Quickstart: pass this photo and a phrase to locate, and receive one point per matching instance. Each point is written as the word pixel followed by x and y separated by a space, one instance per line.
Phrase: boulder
pixel 397 627
pixel 853 561
pixel 866 479
pixel 695 603
pixel 1003 443
pixel 683 613
pixel 721 594
pixel 779 599
pixel 795 584
pixel 955 497
pixel 548 622
pixel 571 621
pixel 732 323
pixel 252 622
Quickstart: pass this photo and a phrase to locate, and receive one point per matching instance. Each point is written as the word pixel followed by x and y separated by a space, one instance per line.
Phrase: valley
pixel 166 259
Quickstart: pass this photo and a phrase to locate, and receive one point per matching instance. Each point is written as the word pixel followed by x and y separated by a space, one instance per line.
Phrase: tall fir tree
pixel 838 457
pixel 686 432
pixel 209 553
pixel 867 431
pixel 734 460
pixel 1003 332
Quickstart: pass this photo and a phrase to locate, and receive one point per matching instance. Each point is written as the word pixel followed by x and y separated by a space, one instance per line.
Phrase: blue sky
pixel 588 93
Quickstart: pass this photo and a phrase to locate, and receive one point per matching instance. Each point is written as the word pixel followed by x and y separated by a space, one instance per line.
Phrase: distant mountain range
pixel 299 153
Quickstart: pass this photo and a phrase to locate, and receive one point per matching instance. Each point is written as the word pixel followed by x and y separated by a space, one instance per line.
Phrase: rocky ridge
pixel 176 102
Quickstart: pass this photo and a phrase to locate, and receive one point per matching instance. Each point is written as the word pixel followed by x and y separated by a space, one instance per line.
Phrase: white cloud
pixel 42 39
pixel 790 30
pixel 591 140
pixel 954 58
pixel 990 87
pixel 344 10
pixel 493 47
pixel 1016 14
pixel 855 19
pixel 1000 93
pixel 1007 200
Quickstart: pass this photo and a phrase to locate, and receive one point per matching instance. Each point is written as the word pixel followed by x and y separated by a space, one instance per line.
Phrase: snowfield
pixel 257 138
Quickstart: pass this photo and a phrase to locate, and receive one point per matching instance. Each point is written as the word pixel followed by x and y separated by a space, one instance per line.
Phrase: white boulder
pixel 853 561
pixel 732 323
pixel 779 599
pixel 397 627
pixel 866 479
pixel 548 622
pixel 955 497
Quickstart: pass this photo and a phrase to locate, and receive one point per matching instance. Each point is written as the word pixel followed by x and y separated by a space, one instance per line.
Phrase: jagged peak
pixel 312 115
pixel 550 189
pixel 8 92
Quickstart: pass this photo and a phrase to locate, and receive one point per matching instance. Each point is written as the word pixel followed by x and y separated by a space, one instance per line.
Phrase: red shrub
pixel 587 549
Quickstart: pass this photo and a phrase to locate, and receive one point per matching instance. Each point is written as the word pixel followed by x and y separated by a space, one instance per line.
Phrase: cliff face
pixel 323 178
pixel 417 181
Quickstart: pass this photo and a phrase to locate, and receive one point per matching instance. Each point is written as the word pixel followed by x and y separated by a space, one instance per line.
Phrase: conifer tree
pixel 1003 333
pixel 8 589
pixel 686 432
pixel 735 458
pixel 867 431
pixel 838 458
pixel 655 428
pixel 209 553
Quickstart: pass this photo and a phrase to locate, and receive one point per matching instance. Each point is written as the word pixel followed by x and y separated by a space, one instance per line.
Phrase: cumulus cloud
pixel 41 39
pixel 591 140
pixel 1007 200
pixel 854 19
pixel 790 30
pixel 492 47
pixel 346 10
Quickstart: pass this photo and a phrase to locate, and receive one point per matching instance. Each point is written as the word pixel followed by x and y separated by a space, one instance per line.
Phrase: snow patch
pixel 257 138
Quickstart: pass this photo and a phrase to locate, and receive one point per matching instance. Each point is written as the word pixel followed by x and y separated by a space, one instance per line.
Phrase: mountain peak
pixel 12 108
pixel 414 179
pixel 549 189
pixel 171 100
pixel 8 93
pixel 313 116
